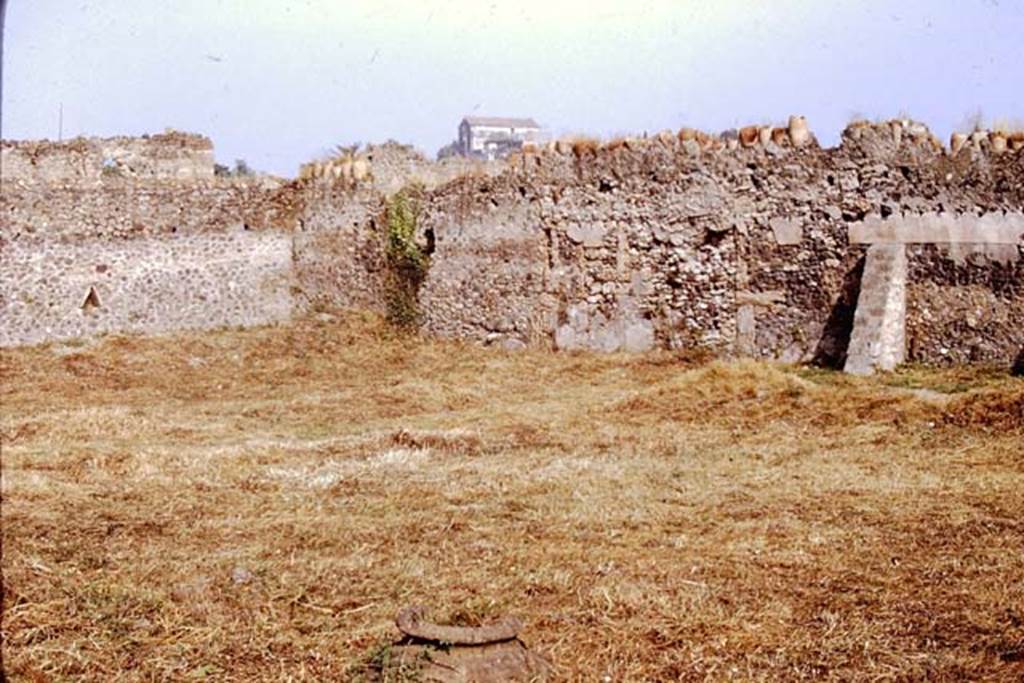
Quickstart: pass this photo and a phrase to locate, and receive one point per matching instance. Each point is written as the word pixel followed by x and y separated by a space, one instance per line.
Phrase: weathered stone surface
pixel 510 661
pixel 787 231
pixel 627 330
pixel 587 235
pixel 746 330
pixel 941 228
pixel 765 299
pixel 412 622
pixel 154 284
pixel 491 653
pixel 878 341
pixel 550 244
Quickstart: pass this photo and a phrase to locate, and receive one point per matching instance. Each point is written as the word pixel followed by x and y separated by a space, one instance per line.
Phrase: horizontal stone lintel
pixel 940 228
pixel 765 299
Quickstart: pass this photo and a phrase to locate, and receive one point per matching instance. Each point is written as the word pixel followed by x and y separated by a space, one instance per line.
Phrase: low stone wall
pixel 52 290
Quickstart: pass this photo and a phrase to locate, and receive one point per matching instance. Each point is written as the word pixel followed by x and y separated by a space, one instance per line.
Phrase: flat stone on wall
pixel 941 228
pixel 878 341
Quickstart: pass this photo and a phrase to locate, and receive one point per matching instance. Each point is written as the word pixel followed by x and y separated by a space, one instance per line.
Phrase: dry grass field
pixel 256 505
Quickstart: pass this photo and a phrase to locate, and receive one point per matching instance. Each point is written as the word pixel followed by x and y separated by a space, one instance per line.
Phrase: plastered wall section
pixel 51 290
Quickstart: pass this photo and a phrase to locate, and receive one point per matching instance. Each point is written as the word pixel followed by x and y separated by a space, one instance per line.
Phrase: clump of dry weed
pixel 995 410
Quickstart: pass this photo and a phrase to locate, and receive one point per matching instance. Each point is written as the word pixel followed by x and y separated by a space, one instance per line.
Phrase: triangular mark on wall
pixel 92 300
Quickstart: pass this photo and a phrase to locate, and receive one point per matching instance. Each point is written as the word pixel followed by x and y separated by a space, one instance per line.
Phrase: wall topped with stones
pixel 83 255
pixel 737 244
pixel 171 155
pixel 160 255
pixel 390 167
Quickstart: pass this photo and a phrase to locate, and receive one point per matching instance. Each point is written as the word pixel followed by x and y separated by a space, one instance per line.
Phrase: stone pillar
pixel 878 340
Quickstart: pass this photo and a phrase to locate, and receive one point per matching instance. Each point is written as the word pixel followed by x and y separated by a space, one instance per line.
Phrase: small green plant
pixel 111 169
pixel 407 264
pixel 377 665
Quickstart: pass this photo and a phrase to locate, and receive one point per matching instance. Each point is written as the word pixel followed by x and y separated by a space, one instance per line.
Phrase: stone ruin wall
pixel 67 289
pixel 622 246
pixel 170 155
pixel 84 254
pixel 338 250
pixel 745 251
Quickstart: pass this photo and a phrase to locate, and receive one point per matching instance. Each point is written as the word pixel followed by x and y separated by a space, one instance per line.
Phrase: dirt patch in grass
pixel 256 505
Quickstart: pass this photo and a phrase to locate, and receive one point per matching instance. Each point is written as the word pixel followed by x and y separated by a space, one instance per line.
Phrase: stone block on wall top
pixel 940 228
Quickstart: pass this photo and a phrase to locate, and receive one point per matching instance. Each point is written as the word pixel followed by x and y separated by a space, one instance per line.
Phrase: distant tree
pixel 242 168
pixel 449 150
pixel 221 170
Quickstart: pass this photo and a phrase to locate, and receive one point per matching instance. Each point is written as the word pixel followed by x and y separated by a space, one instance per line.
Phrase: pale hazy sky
pixel 279 81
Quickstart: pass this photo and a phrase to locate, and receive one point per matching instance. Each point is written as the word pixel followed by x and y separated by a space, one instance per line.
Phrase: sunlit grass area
pixel 257 505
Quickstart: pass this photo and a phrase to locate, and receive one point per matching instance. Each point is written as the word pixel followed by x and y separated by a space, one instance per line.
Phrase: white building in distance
pixel 494 137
